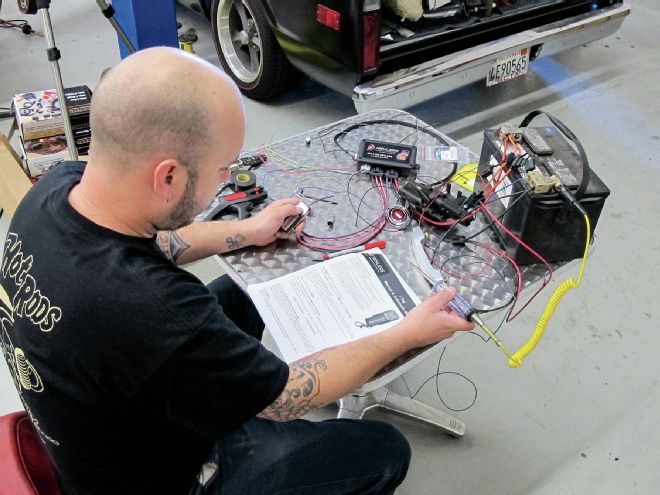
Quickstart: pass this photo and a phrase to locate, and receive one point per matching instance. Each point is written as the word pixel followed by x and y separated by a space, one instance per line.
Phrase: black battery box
pixel 541 219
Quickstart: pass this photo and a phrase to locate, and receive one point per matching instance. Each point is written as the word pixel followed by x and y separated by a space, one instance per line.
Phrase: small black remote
pixel 250 162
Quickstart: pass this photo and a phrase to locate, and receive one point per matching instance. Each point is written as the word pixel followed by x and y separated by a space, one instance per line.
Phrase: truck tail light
pixel 328 17
pixel 370 40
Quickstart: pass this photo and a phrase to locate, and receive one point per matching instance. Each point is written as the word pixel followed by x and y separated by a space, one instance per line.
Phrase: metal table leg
pixel 354 407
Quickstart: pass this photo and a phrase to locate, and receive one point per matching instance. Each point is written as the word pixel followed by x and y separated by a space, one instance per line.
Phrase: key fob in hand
pixel 290 223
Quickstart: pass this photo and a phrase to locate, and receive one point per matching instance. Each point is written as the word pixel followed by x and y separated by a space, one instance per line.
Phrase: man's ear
pixel 169 177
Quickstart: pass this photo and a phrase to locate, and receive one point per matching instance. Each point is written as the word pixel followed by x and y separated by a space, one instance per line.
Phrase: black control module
pixel 387 156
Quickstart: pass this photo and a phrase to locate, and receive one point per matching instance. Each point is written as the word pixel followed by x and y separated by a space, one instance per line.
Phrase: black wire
pixel 357 210
pixel 477 334
pixel 372 224
pixel 353 156
pixel 348 189
pixel 365 123
pixel 450 260
pixel 490 224
pixel 437 374
pixel 586 169
pixel 448 177
pixel 19 24
pixel 426 209
pixel 441 239
pixel 358 217
pixel 416 131
pixel 514 292
pixel 325 150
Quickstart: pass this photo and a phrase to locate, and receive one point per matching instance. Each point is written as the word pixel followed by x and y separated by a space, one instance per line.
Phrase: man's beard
pixel 185 210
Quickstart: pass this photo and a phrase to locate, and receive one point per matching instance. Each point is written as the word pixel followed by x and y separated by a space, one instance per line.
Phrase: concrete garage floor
pixel 581 416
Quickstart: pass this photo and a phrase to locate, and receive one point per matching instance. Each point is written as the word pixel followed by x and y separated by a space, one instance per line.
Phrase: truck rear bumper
pixel 407 87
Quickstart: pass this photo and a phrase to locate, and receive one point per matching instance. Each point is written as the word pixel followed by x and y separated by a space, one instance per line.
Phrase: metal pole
pixel 109 13
pixel 53 56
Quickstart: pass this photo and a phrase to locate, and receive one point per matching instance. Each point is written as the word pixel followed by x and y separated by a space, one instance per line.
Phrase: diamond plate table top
pixel 321 167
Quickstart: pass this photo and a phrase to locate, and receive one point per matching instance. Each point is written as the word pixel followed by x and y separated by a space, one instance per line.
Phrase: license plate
pixel 508 67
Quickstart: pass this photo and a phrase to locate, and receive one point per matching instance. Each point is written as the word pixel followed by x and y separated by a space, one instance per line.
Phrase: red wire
pixel 463 275
pixel 537 255
pixel 516 238
pixel 513 263
pixel 496 175
pixel 451 222
pixel 357 238
pixel 500 180
pixel 501 165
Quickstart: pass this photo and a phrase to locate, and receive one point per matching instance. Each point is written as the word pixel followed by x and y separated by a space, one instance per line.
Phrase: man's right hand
pixel 264 227
pixel 432 320
pixel 332 373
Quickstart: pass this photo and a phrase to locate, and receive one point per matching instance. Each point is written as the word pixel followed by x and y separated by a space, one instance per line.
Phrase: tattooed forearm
pixel 303 386
pixel 171 244
pixel 235 242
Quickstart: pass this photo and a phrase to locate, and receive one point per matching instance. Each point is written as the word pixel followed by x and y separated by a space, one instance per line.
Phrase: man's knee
pixel 390 453
pixel 395 447
pixel 237 305
pixel 224 287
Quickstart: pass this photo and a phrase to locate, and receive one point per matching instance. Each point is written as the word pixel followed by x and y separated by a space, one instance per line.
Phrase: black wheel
pixel 248 50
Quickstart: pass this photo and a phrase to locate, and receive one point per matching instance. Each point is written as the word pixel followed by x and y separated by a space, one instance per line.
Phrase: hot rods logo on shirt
pixel 29 303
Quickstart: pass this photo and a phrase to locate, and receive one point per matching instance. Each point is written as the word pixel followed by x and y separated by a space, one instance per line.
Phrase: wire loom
pixel 385 186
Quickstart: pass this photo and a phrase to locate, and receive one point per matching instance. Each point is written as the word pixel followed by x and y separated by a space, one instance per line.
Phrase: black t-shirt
pixel 126 364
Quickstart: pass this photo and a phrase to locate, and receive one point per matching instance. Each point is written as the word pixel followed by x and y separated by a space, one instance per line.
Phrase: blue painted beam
pixel 146 23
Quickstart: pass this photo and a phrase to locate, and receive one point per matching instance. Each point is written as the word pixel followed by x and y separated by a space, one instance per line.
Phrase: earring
pixel 167 200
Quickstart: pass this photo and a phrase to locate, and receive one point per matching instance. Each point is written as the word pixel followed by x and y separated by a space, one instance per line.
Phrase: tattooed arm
pixel 335 372
pixel 324 377
pixel 202 239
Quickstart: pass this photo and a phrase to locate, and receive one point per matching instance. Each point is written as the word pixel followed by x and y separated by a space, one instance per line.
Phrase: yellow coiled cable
pixel 559 293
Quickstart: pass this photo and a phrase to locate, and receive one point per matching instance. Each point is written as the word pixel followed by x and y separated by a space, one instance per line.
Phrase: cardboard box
pixel 83 138
pixel 39 155
pixel 78 102
pixel 14 184
pixel 38 113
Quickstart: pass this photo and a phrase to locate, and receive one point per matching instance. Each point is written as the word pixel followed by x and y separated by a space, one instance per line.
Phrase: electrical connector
pixel 541 184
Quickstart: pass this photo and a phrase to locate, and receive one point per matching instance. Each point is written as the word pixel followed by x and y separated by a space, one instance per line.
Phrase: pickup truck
pixel 396 53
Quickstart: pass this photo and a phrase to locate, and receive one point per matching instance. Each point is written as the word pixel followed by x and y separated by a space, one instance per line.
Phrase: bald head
pixel 162 103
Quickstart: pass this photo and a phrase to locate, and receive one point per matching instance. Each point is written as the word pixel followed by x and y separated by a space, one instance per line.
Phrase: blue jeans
pixel 338 456
pixel 299 457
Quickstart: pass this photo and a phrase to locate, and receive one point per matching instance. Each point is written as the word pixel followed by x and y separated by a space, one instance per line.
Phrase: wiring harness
pixel 448 213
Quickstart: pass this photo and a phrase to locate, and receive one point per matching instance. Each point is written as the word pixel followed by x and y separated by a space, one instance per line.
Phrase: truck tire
pixel 248 50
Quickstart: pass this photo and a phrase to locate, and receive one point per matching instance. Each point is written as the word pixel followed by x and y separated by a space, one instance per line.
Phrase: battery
pixel 545 222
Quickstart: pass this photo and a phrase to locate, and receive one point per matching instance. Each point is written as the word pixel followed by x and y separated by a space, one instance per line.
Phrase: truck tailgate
pixel 409 86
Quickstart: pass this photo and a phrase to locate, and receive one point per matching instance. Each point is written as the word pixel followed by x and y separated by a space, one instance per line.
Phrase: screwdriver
pixel 465 310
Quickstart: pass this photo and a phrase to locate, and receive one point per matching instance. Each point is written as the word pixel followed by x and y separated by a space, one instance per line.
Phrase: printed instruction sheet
pixel 333 302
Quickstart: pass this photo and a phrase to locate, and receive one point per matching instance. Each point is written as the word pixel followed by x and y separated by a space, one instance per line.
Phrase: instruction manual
pixel 333 302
